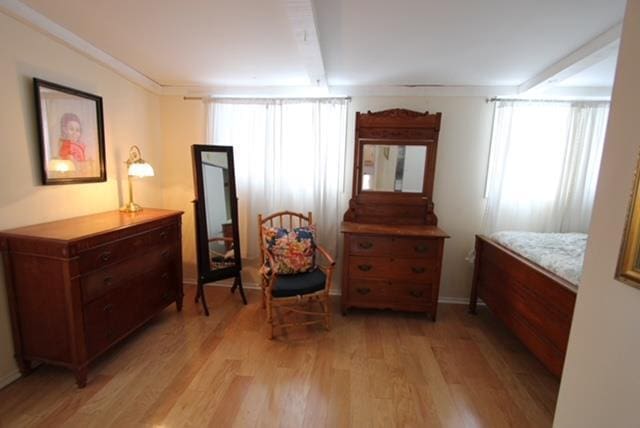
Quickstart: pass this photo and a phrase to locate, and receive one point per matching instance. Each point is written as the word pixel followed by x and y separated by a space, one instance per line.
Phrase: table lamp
pixel 136 167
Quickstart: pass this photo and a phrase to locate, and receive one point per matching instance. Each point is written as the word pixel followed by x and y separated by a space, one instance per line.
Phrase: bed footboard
pixel 536 305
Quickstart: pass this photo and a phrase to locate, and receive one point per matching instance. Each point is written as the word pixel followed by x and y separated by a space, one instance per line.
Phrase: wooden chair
pixel 295 293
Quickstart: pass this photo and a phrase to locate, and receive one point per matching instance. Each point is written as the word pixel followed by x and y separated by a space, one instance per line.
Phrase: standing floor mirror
pixel 216 215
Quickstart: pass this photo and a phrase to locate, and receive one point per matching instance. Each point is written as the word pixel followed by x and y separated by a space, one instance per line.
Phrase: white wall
pixel 460 171
pixel 183 124
pixel 601 382
pixel 131 116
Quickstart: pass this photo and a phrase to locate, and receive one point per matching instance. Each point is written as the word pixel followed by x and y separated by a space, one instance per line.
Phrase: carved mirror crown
pixel 394 167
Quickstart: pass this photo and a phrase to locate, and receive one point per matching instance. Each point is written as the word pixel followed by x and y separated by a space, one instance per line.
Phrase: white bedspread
pixel 561 253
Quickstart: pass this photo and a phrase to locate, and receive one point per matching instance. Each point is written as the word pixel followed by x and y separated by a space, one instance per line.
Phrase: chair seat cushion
pixel 299 284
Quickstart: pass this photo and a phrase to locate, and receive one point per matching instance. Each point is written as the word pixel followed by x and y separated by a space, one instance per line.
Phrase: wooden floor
pixel 372 369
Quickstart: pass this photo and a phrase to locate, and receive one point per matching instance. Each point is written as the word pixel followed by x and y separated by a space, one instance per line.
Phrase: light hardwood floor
pixel 372 369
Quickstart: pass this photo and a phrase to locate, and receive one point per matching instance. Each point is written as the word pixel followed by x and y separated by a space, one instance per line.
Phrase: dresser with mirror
pixel 393 247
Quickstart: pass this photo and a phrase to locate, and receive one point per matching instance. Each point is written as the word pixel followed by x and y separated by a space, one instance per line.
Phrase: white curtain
pixel 543 166
pixel 289 155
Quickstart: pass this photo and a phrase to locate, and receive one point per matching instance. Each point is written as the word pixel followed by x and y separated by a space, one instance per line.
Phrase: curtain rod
pixel 265 98
pixel 543 100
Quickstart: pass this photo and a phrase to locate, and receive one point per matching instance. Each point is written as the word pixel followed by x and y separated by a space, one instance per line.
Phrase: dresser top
pixel 417 230
pixel 85 226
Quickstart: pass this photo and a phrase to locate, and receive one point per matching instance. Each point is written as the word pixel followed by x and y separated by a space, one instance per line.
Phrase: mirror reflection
pixel 393 168
pixel 215 178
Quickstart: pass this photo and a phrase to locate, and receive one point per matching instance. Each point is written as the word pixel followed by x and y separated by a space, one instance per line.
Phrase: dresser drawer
pixel 414 247
pixel 363 292
pixel 411 295
pixel 369 267
pixel 390 294
pixel 415 270
pixel 108 254
pixel 370 245
pixel 100 282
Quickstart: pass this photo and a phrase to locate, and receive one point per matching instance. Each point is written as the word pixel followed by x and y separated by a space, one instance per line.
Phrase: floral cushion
pixel 293 251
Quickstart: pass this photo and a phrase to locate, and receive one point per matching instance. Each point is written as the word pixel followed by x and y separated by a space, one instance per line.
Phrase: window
pixel 543 165
pixel 289 154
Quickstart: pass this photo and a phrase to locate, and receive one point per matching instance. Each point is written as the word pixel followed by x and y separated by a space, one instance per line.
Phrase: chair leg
pixel 327 314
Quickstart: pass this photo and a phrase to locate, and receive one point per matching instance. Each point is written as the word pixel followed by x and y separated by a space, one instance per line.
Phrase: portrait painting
pixel 628 269
pixel 71 131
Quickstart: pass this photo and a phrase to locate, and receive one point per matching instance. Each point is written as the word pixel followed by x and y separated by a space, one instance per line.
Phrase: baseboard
pixel 256 286
pixel 9 377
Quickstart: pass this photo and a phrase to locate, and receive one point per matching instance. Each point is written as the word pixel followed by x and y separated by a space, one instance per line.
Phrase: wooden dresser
pixel 78 286
pixel 392 246
pixel 394 267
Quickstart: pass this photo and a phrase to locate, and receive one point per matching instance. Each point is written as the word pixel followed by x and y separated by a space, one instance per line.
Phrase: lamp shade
pixel 140 169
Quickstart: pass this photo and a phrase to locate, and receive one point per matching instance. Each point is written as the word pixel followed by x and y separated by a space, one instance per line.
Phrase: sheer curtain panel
pixel 543 166
pixel 289 154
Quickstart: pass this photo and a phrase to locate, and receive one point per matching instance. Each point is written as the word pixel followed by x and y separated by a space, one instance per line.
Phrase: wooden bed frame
pixel 535 304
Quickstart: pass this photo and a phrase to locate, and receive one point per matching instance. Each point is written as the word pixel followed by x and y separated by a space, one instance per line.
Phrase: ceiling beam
pixel 591 53
pixel 34 19
pixel 305 31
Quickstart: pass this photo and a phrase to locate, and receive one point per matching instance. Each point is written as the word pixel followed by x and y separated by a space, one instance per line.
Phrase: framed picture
pixel 628 270
pixel 71 131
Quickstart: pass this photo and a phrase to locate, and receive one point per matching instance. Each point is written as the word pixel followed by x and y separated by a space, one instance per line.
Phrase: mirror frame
pixel 394 127
pixel 205 273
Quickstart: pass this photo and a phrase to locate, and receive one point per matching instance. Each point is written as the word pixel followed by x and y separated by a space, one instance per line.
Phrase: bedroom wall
pixel 460 172
pixel 131 116
pixel 601 377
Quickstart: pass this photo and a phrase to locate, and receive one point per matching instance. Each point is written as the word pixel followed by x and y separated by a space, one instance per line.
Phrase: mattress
pixel 560 253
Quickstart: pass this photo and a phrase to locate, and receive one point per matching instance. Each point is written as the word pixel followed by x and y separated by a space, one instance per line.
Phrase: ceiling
pixel 218 43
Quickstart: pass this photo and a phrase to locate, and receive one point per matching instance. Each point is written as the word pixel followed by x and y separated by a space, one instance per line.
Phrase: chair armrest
pixel 326 255
pixel 272 261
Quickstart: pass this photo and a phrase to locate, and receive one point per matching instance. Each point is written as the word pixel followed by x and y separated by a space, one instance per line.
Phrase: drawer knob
pixel 108 307
pixel 365 268
pixel 415 269
pixel 363 290
pixel 421 248
pixel 108 280
pixel 163 234
pixel 105 256
pixel 164 276
pixel 165 253
pixel 416 293
pixel 365 245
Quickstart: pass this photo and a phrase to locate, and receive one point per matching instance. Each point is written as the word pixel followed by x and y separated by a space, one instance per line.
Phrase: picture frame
pixel 71 134
pixel 628 268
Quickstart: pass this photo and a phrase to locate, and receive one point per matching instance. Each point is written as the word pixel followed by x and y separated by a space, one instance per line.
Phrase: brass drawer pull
pixel 421 248
pixel 365 245
pixel 105 256
pixel 365 268
pixel 363 291
pixel 417 269
pixel 416 293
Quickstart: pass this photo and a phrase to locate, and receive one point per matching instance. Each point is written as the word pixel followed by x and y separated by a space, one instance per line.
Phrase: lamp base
pixel 131 207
